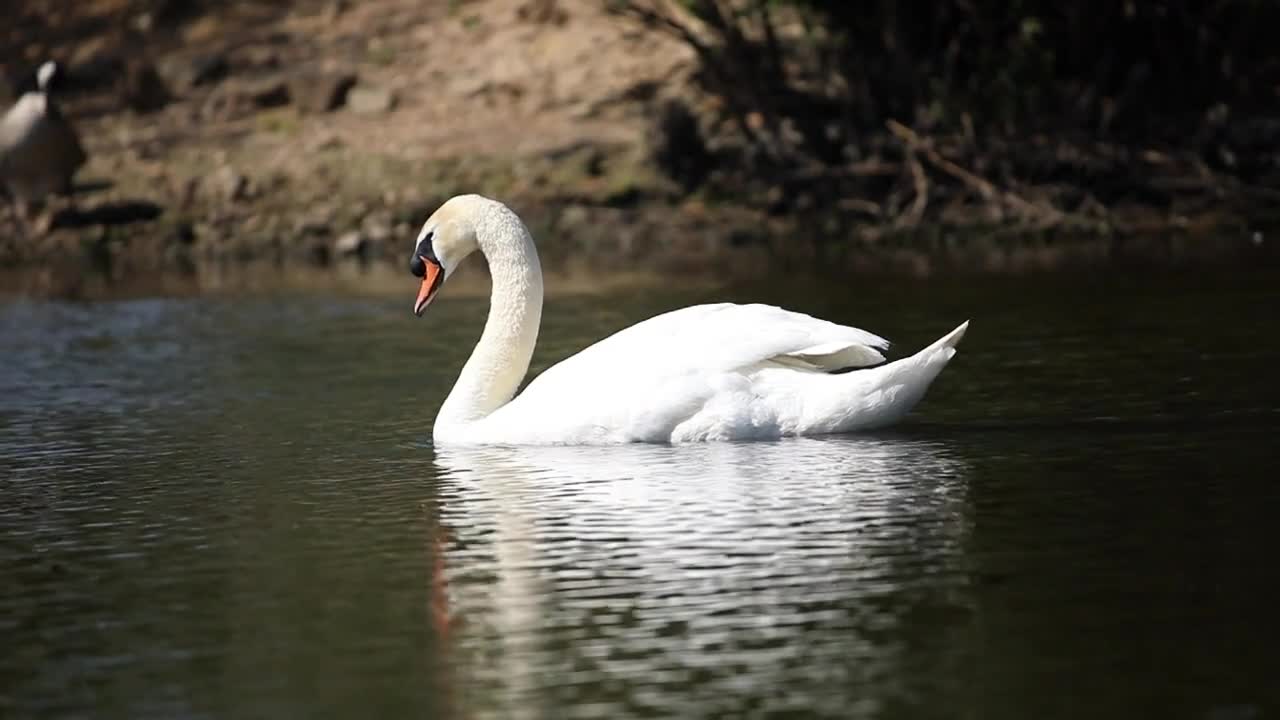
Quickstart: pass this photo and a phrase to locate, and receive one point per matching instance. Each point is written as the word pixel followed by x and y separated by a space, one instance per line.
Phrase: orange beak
pixel 431 280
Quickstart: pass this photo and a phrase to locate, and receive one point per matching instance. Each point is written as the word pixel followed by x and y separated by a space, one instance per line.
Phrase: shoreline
pixel 711 264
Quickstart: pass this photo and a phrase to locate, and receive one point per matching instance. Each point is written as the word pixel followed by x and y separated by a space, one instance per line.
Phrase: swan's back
pixel 721 372
pixel 719 338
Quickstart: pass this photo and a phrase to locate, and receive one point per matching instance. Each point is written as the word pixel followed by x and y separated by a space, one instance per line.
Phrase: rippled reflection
pixel 230 508
pixel 760 576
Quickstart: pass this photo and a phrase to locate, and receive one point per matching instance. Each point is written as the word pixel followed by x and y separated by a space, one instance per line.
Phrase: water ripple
pixel 706 568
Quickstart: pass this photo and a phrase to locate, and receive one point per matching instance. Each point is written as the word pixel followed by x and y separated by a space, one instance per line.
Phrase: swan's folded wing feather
pixel 716 338
pixel 830 357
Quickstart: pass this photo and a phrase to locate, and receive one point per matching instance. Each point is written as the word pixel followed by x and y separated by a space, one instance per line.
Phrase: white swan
pixel 708 372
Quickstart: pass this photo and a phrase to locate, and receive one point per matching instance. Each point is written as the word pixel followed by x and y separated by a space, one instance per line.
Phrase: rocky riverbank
pixel 260 139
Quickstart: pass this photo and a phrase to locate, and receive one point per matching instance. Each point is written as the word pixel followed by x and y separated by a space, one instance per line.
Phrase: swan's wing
pixel 643 382
pixel 718 338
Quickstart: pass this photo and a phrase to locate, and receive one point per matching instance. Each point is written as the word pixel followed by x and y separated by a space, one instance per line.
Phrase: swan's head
pixel 446 239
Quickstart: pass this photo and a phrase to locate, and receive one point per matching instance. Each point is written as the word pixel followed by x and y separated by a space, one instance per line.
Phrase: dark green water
pixel 232 508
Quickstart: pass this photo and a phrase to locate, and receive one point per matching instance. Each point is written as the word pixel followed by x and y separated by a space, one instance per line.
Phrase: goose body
pixel 39 149
pixel 707 372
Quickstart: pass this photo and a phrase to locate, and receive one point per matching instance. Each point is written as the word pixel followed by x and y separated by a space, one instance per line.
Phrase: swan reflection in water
pixel 785 575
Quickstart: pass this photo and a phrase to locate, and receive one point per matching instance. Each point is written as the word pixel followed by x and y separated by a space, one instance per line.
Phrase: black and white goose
pixel 40 151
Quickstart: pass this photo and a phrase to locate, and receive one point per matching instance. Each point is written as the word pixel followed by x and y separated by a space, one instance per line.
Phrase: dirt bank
pixel 319 134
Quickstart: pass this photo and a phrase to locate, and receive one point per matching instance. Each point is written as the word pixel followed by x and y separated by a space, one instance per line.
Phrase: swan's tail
pixel 881 396
pixel 946 343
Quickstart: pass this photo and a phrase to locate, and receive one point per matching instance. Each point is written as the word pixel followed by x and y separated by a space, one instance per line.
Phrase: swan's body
pixel 708 372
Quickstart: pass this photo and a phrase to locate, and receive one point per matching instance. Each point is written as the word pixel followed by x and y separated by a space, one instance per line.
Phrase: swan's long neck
pixel 501 358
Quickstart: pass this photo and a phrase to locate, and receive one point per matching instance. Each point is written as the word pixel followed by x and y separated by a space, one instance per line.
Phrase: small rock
pixel 184 233
pixel 143 90
pixel 317 223
pixel 333 10
pixel 379 234
pixel 573 217
pixel 1234 712
pixel 327 142
pixel 775 199
pixel 95 65
pixel 259 57
pixel 143 22
pixel 166 13
pixel 542 12
pixel 236 99
pixel 179 257
pixel 676 144
pixel 370 100
pixel 87 50
pixel 496 91
pixel 350 244
pixel 186 72
pixel 377 226
pixel 267 93
pixel 230 185
pixel 319 252
pixel 187 191
pixel 580 158
pixel 206 232
pixel 208 69
pixel 320 93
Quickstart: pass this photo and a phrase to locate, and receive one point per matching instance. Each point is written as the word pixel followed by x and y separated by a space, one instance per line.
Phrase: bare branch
pixel 978 184
pixel 920 181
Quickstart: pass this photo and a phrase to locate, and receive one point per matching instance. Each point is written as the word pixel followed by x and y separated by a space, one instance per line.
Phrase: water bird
pixel 706 372
pixel 40 151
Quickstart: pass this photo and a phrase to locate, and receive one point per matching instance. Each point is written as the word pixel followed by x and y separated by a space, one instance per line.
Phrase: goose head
pixel 446 238
pixel 45 75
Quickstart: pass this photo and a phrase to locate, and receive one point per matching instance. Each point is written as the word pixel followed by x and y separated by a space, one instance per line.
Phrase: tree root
pixel 1003 199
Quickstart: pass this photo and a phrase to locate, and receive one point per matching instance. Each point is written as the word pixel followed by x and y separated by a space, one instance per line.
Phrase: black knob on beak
pixel 425 252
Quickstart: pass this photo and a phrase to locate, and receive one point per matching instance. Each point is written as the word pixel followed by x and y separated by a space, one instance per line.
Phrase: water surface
pixel 231 507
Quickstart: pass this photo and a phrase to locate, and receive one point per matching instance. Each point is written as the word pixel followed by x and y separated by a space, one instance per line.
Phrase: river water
pixel 231 507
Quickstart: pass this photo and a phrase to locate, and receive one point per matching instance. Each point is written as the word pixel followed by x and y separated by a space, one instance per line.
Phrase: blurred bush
pixel 807 76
